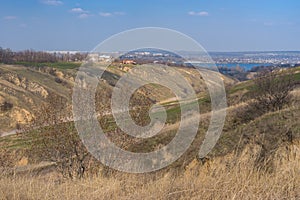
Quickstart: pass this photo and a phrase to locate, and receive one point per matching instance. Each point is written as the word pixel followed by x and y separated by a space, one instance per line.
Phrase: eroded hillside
pixel 24 89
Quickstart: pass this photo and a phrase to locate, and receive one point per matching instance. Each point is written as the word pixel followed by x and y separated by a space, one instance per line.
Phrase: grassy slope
pixel 58 65
pixel 224 178
pixel 228 140
pixel 21 97
pixel 229 174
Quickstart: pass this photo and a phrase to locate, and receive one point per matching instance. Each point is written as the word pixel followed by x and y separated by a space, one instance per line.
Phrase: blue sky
pixel 218 25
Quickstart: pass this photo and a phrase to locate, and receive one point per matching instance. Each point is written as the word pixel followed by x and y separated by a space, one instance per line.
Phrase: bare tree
pixel 270 92
pixel 55 139
pixel 272 89
pixel 8 56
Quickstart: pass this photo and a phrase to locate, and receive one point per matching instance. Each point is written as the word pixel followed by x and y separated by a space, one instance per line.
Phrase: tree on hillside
pixel 6 56
pixel 270 92
pixel 55 139
pixel 272 89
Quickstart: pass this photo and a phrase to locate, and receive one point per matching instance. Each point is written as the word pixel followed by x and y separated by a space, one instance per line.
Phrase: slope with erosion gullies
pixel 24 89
pixel 266 134
pixel 160 93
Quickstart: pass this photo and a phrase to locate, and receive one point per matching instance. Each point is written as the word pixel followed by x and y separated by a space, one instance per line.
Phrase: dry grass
pixel 222 178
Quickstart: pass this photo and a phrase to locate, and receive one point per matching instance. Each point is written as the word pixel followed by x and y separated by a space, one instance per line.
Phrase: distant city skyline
pixel 219 26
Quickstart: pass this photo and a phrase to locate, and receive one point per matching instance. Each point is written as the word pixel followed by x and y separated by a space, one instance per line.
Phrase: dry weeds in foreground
pixel 222 178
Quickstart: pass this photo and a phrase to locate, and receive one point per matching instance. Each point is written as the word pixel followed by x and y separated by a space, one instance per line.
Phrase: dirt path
pixel 4 134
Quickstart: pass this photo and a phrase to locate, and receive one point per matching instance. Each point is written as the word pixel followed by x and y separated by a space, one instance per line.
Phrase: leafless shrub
pixel 6 106
pixel 272 90
pixel 54 138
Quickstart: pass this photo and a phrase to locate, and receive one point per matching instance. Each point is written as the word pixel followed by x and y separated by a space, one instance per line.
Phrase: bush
pixel 272 90
pixel 55 139
pixel 6 106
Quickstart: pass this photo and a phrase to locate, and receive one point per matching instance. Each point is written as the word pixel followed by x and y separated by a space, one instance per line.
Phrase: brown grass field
pixel 228 177
pixel 257 157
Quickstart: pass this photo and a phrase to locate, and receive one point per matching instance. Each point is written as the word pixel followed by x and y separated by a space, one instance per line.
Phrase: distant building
pixel 105 58
pixel 132 62
pixel 95 57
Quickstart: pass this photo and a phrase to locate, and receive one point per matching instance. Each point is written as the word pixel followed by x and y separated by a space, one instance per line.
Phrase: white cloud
pixel 119 13
pixel 84 15
pixel 78 10
pixel 10 17
pixel 202 13
pixel 109 14
pixel 105 14
pixel 52 2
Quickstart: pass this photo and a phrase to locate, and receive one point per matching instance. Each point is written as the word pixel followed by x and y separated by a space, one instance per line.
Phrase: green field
pixel 58 65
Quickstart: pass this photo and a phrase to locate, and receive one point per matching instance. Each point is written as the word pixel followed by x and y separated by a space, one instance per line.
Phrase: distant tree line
pixel 236 72
pixel 8 56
